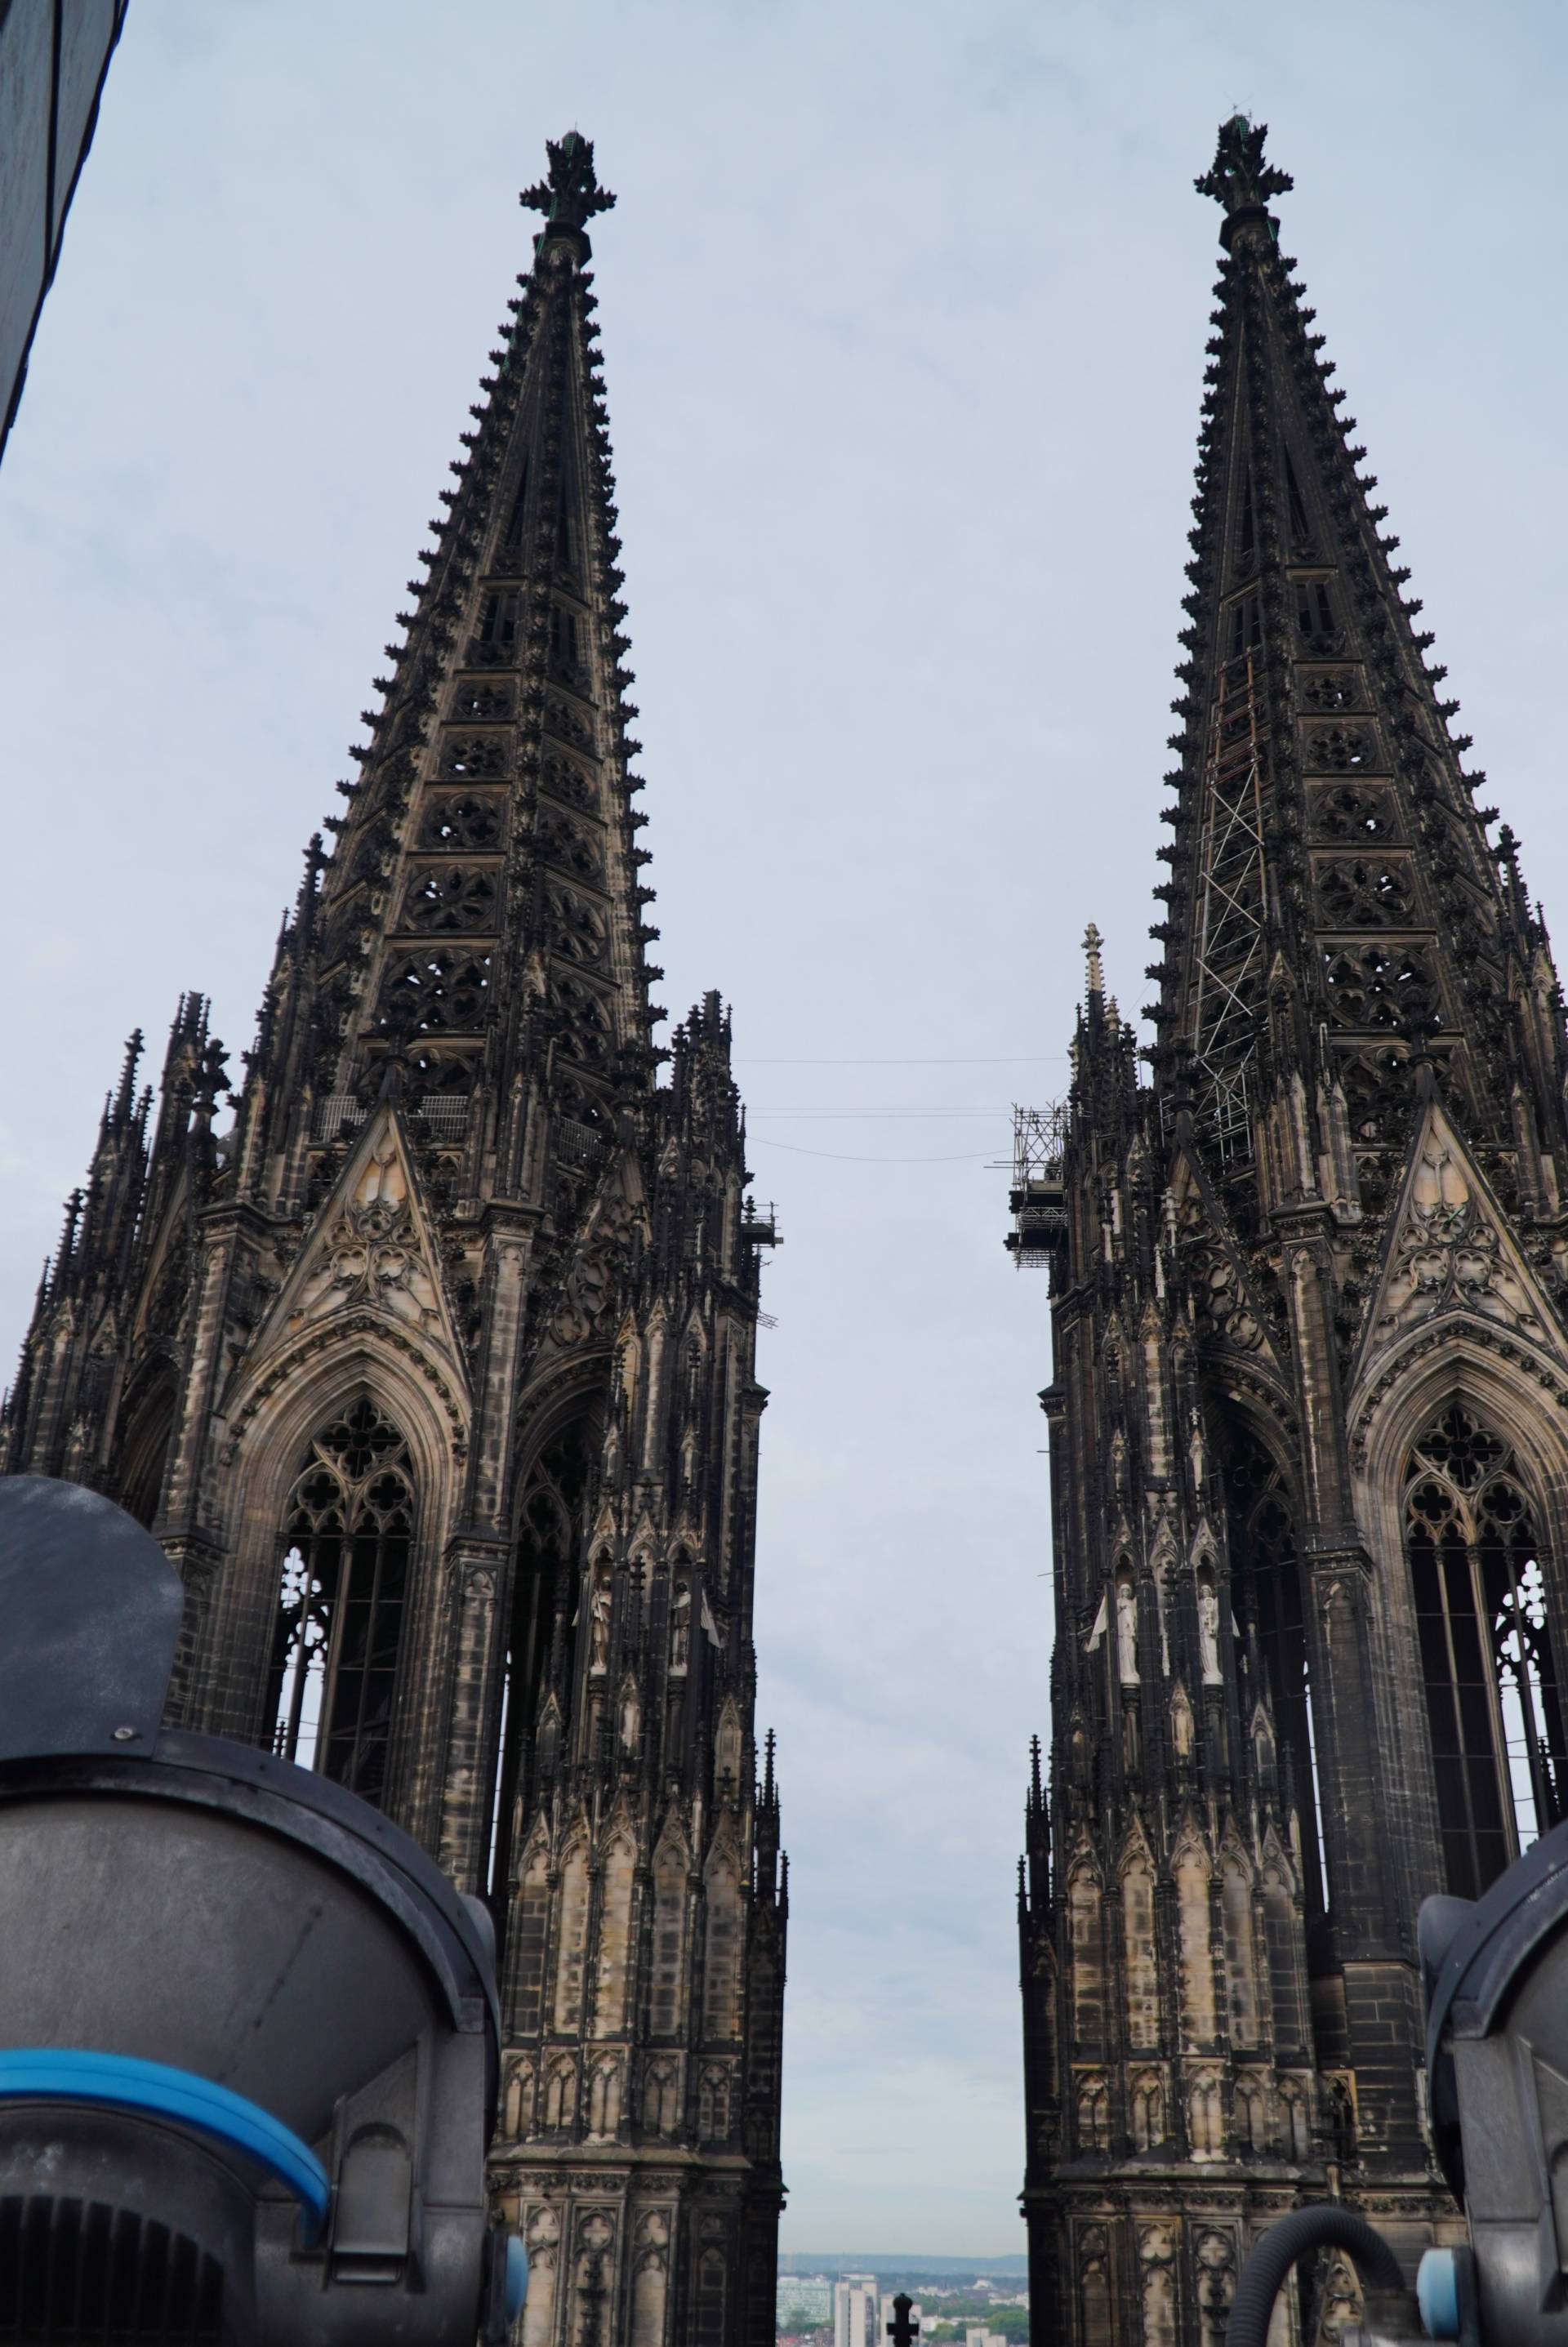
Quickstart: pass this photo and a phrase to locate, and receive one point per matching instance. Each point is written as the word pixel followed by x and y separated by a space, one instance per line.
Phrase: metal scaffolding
pixel 1037 1198
pixel 1231 909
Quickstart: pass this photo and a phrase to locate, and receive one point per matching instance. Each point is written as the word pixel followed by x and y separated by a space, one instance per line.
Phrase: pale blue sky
pixel 903 314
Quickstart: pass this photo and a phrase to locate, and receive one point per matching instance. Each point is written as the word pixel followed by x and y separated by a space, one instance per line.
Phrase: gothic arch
pixel 1460 1364
pixel 337 1658
pixel 281 1419
pixel 617 1873
pixel 1191 1873
pixel 1140 1955
pixel 1270 1597
pixel 556 1464
pixel 724 1944
pixel 147 1429
pixel 672 1867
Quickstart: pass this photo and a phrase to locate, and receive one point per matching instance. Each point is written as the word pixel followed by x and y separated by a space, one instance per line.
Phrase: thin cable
pixel 847 1157
pixel 1016 1059
pixel 938 1115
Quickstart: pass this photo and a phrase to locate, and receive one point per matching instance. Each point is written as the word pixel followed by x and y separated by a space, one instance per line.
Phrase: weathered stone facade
pixel 1309 1410
pixel 436 1374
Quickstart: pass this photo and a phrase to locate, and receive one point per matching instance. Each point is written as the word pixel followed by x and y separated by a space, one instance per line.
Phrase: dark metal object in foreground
pixel 183 1901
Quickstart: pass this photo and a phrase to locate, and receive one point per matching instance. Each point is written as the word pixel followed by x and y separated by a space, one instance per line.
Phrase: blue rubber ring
pixel 1437 2293
pixel 51 2073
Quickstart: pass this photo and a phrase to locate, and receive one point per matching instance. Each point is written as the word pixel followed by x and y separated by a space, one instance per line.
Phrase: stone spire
pixel 1332 896
pixel 482 916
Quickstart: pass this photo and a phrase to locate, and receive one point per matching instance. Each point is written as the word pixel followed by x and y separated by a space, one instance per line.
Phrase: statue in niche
pixel 1127 1633
pixel 681 1627
pixel 1209 1633
pixel 599 1634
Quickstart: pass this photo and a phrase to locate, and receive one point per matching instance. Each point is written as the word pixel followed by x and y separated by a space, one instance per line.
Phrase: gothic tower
pixel 435 1374
pixel 1310 1409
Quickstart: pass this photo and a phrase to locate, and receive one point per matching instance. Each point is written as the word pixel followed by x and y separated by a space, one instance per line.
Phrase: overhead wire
pixel 1012 1060
pixel 852 1157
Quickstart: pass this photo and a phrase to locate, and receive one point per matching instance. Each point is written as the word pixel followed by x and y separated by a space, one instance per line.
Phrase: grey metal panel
pixel 91 1607
pixel 27 78
pixel 87 30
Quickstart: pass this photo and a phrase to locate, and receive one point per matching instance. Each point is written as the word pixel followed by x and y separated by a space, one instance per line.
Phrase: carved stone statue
pixel 681 1627
pixel 599 1653
pixel 1127 1633
pixel 1209 1633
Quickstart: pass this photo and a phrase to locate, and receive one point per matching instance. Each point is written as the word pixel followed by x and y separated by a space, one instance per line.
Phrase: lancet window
pixel 337 1635
pixel 550 1541
pixel 1266 1592
pixel 1479 1579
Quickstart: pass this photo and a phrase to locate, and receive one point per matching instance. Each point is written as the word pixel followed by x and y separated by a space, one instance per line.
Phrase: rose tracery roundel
pixel 439 991
pixel 1353 811
pixel 1366 893
pixel 463 819
pixel 451 896
pixel 1373 986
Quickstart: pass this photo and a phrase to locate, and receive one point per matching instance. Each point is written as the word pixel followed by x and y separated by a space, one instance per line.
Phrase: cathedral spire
pixel 569 195
pixel 482 915
pixel 1329 872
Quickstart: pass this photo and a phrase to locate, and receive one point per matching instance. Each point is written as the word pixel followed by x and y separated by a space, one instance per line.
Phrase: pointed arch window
pixel 1266 1589
pixel 1493 1705
pixel 550 1527
pixel 338 1630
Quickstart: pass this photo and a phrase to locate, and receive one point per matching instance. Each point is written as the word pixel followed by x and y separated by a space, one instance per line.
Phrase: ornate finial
pixel 1092 941
pixel 1238 178
pixel 570 195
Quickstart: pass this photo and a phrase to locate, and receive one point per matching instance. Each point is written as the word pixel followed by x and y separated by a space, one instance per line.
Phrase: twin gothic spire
pixel 1333 899
pixel 483 913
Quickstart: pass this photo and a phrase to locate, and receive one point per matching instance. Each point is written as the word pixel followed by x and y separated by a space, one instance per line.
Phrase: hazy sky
pixel 903 313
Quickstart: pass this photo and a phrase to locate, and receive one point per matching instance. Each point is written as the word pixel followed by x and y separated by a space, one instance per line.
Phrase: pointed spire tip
pixel 1092 942
pixel 569 195
pixel 1238 178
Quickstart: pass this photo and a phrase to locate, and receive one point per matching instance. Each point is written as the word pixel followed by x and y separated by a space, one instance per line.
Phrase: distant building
pixel 804 2302
pixel 854 2311
pixel 53 55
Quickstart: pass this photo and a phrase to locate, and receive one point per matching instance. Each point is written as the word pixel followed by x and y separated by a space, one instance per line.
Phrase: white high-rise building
pixel 854 2311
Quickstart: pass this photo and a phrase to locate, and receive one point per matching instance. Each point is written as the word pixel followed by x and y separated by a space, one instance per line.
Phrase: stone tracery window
pixel 1266 1589
pixel 463 819
pixel 1380 987
pixel 450 897
pixel 1367 892
pixel 1478 1577
pixel 338 1629
pixel 549 1554
pixel 440 990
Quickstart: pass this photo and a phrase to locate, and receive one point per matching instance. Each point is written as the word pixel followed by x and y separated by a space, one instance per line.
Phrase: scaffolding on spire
pixel 1230 913
pixel 1037 1198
